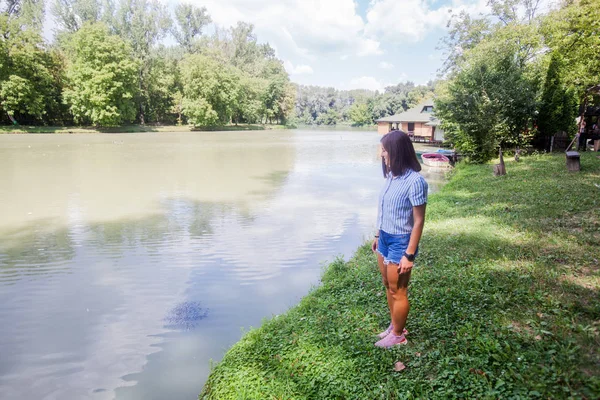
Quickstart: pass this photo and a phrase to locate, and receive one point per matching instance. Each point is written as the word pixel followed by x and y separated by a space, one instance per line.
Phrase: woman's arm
pixel 415 237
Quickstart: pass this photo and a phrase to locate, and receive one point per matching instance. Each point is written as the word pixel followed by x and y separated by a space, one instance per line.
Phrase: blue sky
pixel 349 44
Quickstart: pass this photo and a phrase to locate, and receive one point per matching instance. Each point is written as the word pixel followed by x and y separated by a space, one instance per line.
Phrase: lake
pixel 129 261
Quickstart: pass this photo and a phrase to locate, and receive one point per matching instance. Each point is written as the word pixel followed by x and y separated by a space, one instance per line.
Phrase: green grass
pixel 505 303
pixel 134 128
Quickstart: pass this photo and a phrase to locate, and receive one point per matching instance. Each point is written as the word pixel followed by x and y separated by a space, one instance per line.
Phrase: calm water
pixel 128 262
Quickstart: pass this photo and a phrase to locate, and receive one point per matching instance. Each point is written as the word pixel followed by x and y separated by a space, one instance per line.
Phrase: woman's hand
pixel 405 266
pixel 374 245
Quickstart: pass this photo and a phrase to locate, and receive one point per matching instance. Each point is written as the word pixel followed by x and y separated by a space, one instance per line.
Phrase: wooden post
pixel 573 163
pixel 500 169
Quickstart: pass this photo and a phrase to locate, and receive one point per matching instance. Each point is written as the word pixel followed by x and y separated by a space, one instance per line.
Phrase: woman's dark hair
pixel 401 154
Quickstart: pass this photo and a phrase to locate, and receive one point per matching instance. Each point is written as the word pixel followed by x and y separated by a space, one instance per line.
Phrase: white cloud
pixel 386 65
pixel 306 27
pixel 298 69
pixel 410 20
pixel 366 82
pixel 367 47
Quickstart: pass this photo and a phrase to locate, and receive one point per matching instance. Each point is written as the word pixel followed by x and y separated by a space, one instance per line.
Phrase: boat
pixel 445 152
pixel 435 160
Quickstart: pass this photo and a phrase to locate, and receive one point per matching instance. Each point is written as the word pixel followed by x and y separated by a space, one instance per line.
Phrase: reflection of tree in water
pixel 116 235
pixel 37 248
pixel 42 244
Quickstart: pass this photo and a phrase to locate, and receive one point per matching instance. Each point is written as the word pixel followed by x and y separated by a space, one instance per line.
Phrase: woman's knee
pixel 398 293
pixel 385 283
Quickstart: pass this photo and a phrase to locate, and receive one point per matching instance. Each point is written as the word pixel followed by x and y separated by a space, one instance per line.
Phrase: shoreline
pixel 135 128
pixel 505 302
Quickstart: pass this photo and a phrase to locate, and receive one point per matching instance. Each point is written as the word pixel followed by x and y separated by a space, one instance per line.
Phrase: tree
pixel 360 114
pixel 574 32
pixel 163 81
pixel 191 20
pixel 30 76
pixel 331 117
pixel 558 106
pixel 71 15
pixel 102 77
pixel 210 90
pixel 23 14
pixel 490 101
pixel 143 23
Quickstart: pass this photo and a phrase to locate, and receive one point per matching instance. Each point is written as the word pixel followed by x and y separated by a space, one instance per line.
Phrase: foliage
pixel 360 115
pixel 142 23
pixel 102 77
pixel 30 75
pixel 320 105
pixel 558 107
pixel 490 101
pixel 504 304
pixel 163 81
pixel 210 90
pixel 574 31
pixel 191 20
pixel 499 66
pixel 71 15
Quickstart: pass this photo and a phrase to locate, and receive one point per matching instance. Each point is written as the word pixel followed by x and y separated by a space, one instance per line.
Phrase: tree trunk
pixel 500 169
pixel 141 101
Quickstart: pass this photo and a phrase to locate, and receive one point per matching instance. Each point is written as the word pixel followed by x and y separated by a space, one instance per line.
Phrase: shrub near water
pixel 505 303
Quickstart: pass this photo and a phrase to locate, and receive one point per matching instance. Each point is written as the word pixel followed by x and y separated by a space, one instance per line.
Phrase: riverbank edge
pixel 504 302
pixel 21 129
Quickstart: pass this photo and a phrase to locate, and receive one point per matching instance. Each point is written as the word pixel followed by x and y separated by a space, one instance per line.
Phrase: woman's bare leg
pixel 398 291
pixel 383 270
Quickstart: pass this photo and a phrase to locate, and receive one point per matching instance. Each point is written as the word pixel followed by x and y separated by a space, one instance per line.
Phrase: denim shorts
pixel 392 247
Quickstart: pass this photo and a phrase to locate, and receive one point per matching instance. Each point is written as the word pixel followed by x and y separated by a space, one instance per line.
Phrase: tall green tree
pixel 30 74
pixel 142 23
pixel 102 77
pixel 163 82
pixel 558 108
pixel 191 20
pixel 23 14
pixel 574 32
pixel 490 100
pixel 71 15
pixel 360 114
pixel 210 90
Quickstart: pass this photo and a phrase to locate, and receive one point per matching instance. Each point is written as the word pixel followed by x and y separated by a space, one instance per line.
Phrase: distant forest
pixel 327 106
pixel 108 66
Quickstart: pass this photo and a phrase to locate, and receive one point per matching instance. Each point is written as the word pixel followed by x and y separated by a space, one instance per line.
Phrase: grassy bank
pixel 133 128
pixel 505 303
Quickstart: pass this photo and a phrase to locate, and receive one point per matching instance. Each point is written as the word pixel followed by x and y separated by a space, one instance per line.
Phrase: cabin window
pixel 411 127
pixel 428 109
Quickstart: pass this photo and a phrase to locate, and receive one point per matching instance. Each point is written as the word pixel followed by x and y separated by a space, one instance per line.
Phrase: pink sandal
pixel 392 340
pixel 388 330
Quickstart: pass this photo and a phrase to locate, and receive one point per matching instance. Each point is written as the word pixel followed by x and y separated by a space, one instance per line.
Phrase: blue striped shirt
pixel 396 200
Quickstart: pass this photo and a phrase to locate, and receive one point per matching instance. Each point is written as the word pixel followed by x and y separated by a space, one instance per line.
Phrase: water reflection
pixel 104 236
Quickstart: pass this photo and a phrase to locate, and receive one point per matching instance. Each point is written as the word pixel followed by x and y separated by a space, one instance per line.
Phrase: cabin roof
pixel 415 114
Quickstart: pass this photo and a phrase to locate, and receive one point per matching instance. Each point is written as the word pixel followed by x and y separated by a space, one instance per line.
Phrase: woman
pixel 400 220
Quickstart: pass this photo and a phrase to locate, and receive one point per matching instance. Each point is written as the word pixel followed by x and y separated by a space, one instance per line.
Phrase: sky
pixel 349 44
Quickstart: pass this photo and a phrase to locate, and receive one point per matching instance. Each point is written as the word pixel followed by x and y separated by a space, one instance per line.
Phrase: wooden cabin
pixel 419 122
